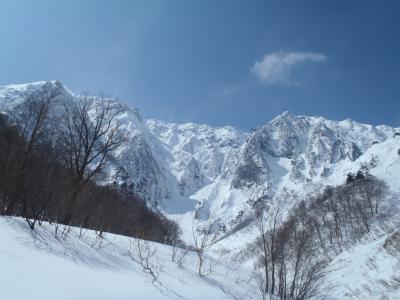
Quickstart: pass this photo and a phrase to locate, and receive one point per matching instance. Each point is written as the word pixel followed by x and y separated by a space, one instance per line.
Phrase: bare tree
pixel 202 240
pixel 260 221
pixel 258 276
pixel 176 244
pixel 91 132
pixel 47 186
pixel 32 118
pixel 181 257
pixel 267 223
pixel 290 263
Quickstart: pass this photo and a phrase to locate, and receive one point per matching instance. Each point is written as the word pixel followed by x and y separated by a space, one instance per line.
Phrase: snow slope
pixel 366 271
pixel 36 265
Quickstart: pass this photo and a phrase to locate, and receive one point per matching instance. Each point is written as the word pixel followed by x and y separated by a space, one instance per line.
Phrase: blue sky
pixel 220 62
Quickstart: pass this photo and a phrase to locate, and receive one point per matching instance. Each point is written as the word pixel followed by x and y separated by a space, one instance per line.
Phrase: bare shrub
pixel 143 252
pixel 202 240
pixel 181 257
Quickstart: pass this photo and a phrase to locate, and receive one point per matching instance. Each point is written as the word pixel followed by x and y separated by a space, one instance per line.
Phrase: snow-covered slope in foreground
pixel 36 265
pixel 369 270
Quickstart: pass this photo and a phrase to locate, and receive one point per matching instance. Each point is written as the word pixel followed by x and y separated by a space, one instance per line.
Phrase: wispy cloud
pixel 229 90
pixel 277 68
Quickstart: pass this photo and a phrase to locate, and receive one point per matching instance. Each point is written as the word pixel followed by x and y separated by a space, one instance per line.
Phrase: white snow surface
pixel 365 271
pixel 36 265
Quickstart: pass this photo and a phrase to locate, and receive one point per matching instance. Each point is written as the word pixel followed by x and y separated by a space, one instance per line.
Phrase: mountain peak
pixel 30 85
pixel 285 115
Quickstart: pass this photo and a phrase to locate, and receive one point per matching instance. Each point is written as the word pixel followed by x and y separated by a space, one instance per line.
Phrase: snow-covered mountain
pixel 183 167
pixel 217 173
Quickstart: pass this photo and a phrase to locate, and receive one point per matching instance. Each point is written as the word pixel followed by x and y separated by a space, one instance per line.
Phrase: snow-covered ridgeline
pixel 218 172
pixel 179 167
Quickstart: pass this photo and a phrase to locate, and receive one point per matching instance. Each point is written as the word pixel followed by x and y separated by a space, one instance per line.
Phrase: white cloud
pixel 277 68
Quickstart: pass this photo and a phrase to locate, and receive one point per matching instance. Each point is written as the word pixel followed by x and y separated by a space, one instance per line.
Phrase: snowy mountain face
pixel 181 167
pixel 198 154
pixel 188 170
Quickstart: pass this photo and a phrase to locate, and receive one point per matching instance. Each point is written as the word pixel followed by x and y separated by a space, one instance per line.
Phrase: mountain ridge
pixel 181 168
pixel 198 174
